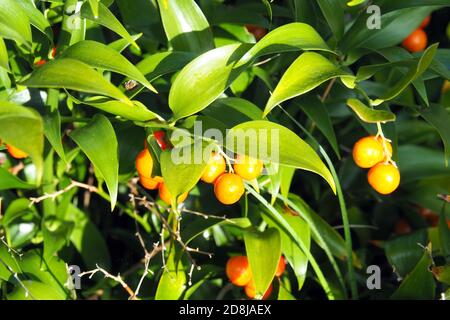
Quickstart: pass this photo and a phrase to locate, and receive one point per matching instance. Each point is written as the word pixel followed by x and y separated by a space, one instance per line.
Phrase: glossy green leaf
pixel 422 64
pixel 56 235
pixel 369 115
pixel 22 127
pixel 94 7
pixel 162 63
pixel 98 141
pixel 52 131
pixel 289 37
pixel 98 55
pixel 82 78
pixel 419 284
pixel 135 112
pixel 263 252
pixel 272 142
pixel 334 14
pixel 9 181
pixel 306 73
pixel 14 22
pixel 186 27
pixel 8 263
pixel 236 109
pixel 173 280
pixel 399 4
pixel 182 168
pixel 204 80
pixel 37 18
pixel 3 55
pixel 293 254
pixel 107 19
pixel 36 291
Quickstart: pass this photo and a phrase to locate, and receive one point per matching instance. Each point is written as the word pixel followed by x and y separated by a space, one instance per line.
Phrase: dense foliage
pixel 97 96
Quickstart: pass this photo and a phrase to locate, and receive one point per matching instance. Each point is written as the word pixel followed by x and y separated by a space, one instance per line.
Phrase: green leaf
pixel 404 252
pixel 56 234
pixel 236 109
pixel 293 253
pixel 204 79
pixel 182 168
pixel 334 14
pixel 369 115
pixel 37 18
pixel 317 112
pixel 9 181
pixel 306 73
pixel 444 233
pixel 272 142
pixel 263 252
pixel 98 55
pixel 94 7
pixel 36 291
pixel 161 63
pixel 107 19
pixel 173 280
pixel 22 127
pixel 388 6
pixel 54 74
pixel 52 131
pixel 289 37
pixel 14 22
pixel 84 234
pixel 422 64
pixel 186 27
pixel 98 141
pixel 419 284
pixel 4 56
pixel 135 112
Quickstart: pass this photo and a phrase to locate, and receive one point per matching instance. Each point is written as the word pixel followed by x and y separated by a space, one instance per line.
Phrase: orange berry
pixel 257 31
pixel 144 164
pixel 425 22
pixel 165 195
pixel 40 62
pixel 250 291
pixel 384 178
pixel 215 167
pixel 281 267
pixel 248 168
pixel 229 188
pixel 150 183
pixel 15 152
pixel 416 41
pixel 367 152
pixel 238 271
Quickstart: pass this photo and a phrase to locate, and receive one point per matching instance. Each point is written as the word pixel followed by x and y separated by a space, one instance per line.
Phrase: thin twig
pixel 54 195
pixel 328 90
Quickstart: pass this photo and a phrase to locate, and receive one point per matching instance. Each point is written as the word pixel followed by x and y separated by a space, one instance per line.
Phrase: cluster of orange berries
pixel 240 274
pixel 228 186
pixel 375 153
pixel 15 152
pixel 418 40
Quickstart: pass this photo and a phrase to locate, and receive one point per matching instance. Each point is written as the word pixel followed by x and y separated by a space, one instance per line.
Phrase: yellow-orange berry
pixel 416 41
pixel 144 164
pixel 250 291
pixel 215 167
pixel 281 267
pixel 248 168
pixel 151 183
pixel 229 188
pixel 165 195
pixel 384 178
pixel 15 152
pixel 367 152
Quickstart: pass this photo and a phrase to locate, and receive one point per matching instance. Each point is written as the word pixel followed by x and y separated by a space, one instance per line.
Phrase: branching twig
pixel 53 196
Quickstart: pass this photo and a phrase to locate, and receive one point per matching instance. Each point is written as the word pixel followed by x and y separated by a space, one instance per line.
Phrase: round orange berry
pixel 416 41
pixel 165 195
pixel 229 188
pixel 150 183
pixel 238 271
pixel 248 168
pixel 384 178
pixel 281 267
pixel 15 152
pixel 250 291
pixel 367 152
pixel 215 167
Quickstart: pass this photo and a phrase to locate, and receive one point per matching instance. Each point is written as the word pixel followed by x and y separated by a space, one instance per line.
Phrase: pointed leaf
pixel 14 22
pixel 52 131
pixel 37 18
pixel 98 141
pixel 54 74
pixel 173 280
pixel 369 115
pixel 97 55
pixel 306 73
pixel 3 55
